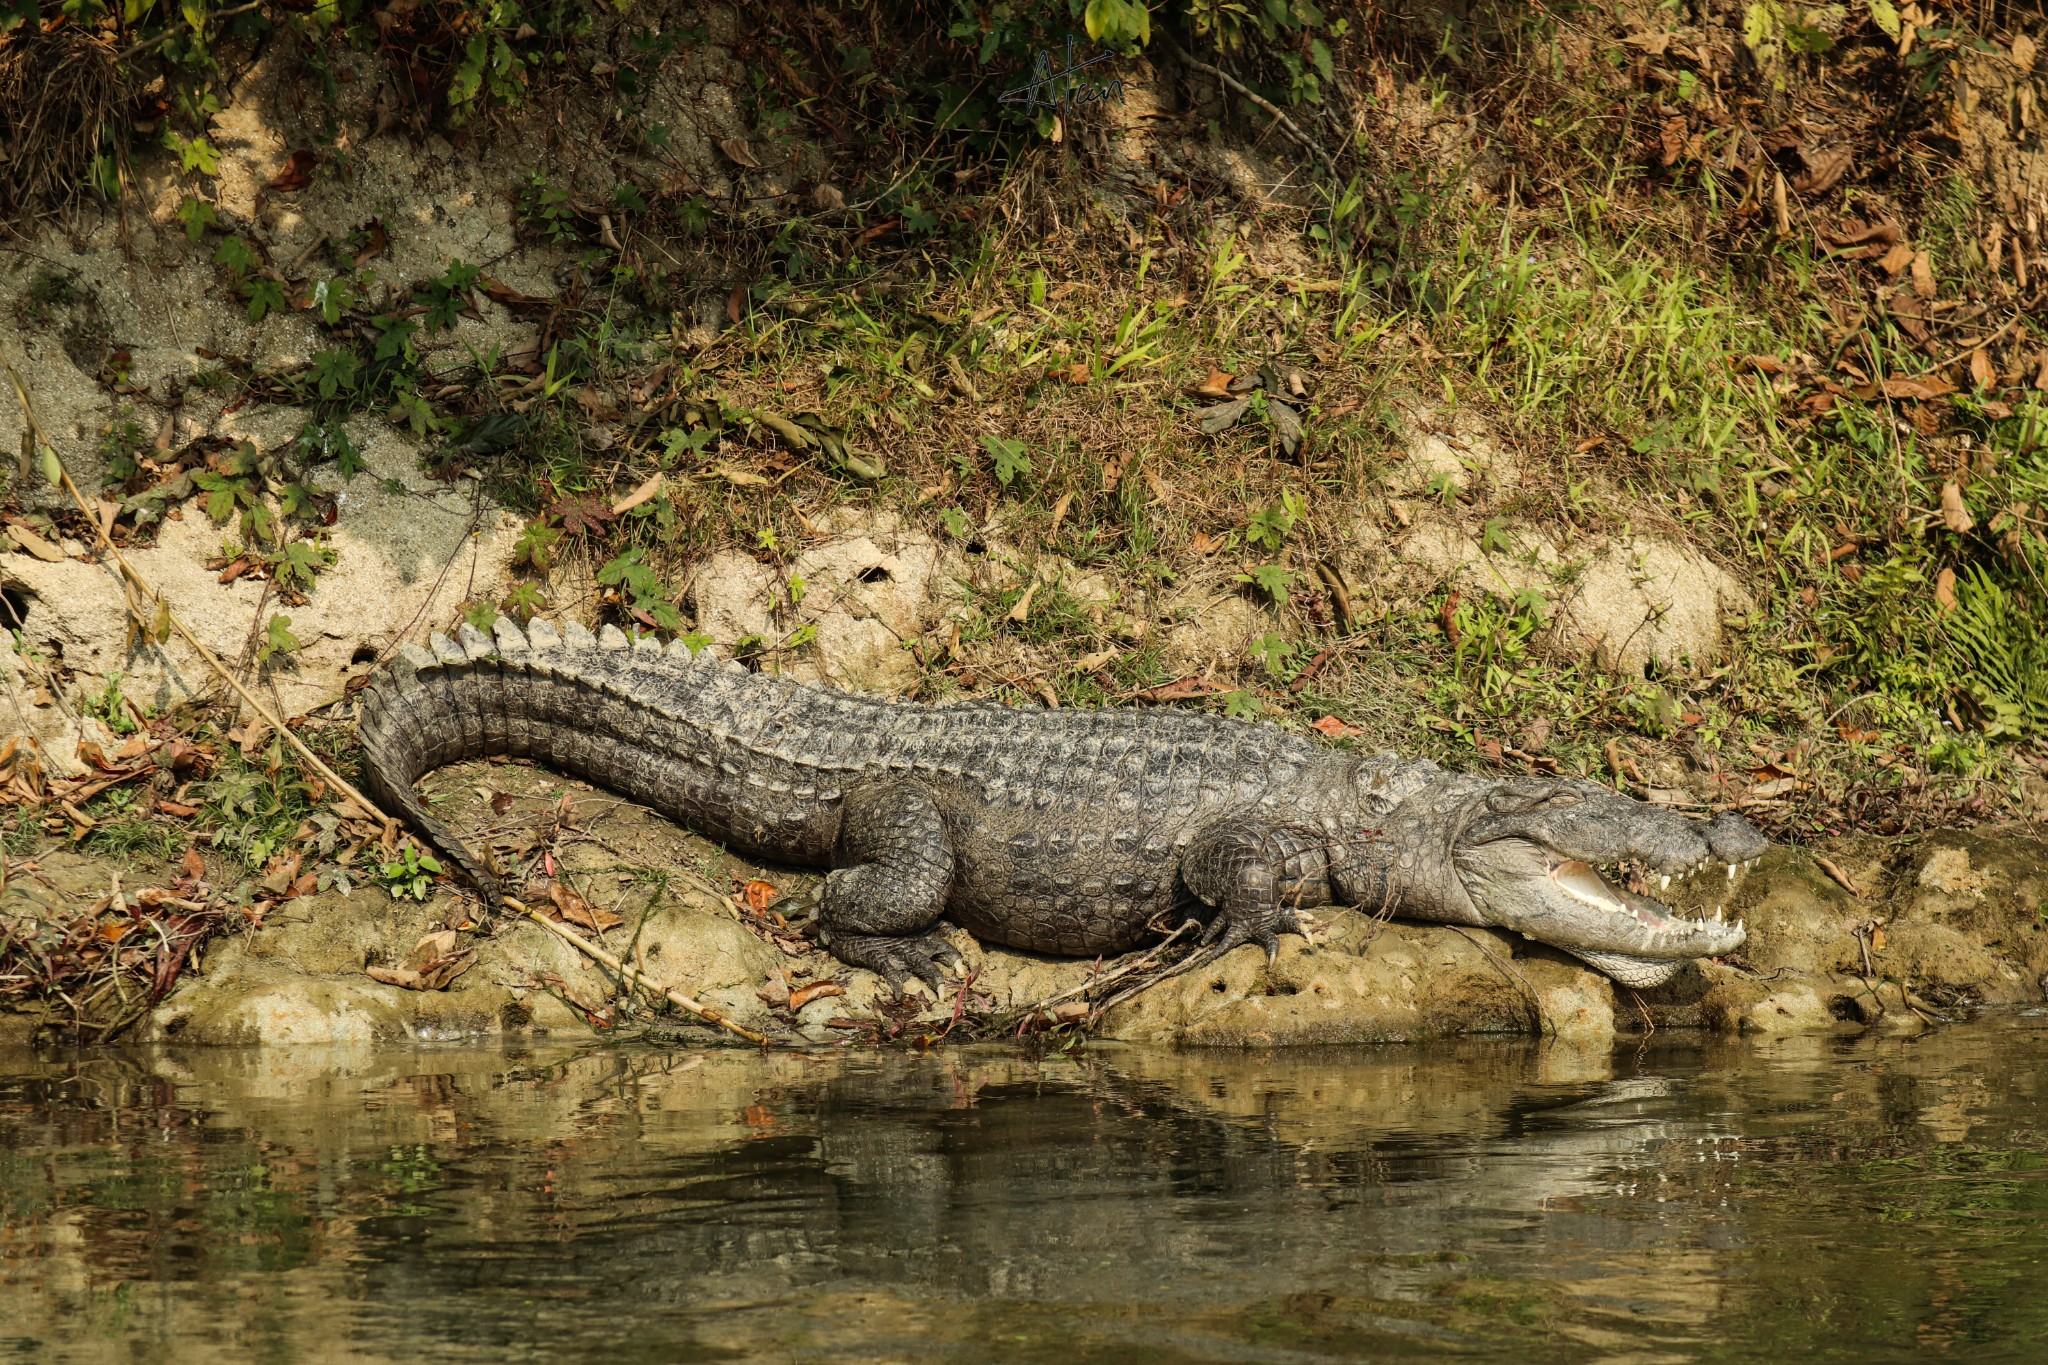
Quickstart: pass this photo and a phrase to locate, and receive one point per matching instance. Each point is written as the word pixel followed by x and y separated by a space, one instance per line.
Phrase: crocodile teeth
pixel 1664 882
pixel 1731 872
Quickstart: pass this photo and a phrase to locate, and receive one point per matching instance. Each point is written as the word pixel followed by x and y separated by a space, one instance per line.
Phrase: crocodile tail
pixel 409 724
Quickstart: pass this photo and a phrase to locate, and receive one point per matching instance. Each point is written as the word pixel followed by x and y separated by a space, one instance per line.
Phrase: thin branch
pixel 1279 114
pixel 632 977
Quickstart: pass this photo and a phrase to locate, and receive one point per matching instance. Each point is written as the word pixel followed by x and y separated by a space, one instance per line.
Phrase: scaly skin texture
pixel 1067 832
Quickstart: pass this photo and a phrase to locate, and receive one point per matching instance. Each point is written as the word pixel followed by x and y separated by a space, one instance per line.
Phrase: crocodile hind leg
pixel 1258 877
pixel 880 908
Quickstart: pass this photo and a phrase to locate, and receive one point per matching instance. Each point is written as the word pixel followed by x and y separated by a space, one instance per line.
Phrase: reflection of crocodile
pixel 1072 832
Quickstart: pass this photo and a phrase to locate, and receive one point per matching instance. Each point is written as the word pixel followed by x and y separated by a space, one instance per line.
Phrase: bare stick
pixel 631 977
pixel 143 592
pixel 1279 115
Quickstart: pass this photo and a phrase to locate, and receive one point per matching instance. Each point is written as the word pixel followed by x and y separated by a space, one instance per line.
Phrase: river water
pixel 1862 1200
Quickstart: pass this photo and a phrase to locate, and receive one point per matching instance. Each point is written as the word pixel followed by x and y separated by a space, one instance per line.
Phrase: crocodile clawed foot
pixel 1302 924
pixel 919 961
pixel 1227 933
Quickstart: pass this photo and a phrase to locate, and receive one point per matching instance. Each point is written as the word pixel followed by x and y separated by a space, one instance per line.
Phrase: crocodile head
pixel 1573 865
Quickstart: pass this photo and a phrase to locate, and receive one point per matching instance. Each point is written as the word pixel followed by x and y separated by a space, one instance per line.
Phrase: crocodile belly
pixel 1075 890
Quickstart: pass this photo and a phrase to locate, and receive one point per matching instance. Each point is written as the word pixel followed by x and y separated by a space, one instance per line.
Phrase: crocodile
pixel 1061 831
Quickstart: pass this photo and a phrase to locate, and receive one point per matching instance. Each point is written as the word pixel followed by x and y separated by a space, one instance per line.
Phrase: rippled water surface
pixel 1868 1200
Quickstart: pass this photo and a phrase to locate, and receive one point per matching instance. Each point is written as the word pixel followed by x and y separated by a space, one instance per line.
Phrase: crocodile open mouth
pixel 1588 885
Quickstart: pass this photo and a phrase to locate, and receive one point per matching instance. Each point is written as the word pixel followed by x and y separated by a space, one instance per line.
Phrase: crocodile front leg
pixel 880 907
pixel 1258 876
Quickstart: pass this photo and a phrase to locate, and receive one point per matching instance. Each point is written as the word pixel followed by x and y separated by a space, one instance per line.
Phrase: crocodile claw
pixel 902 960
pixel 1228 931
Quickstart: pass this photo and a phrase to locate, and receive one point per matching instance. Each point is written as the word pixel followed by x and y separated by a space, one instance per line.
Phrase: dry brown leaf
pixel 739 151
pixel 192 865
pixel 376 241
pixel 775 993
pixel 817 990
pixel 1981 372
pixel 1854 233
pixel 1217 385
pixel 644 493
pixel 1078 372
pixel 1923 275
pixel 1824 172
pixel 405 977
pixel 1897 259
pixel 759 895
pixel 1954 514
pixel 296 173
pixel 740 478
pixel 1945 590
pixel 1059 514
pixel 1934 386
pixel 251 737
pixel 1332 728
pixel 34 544
pixel 1206 544
pixel 576 910
pixel 1672 136
pixel 1022 610
pixel 1834 870
pixel 2023 49
pixel 434 946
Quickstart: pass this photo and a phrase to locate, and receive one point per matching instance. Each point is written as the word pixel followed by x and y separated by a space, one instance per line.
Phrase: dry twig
pixel 632 977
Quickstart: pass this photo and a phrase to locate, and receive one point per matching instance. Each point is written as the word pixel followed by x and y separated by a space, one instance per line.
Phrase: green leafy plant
pixel 277 640
pixel 232 484
pixel 536 544
pixel 1011 461
pixel 409 875
pixel 1277 654
pixel 630 573
pixel 110 708
pixel 525 601
pixel 1269 527
pixel 1272 580
pixel 197 215
pixel 300 560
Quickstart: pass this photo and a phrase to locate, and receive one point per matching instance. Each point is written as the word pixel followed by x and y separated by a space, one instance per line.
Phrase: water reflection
pixel 1868 1200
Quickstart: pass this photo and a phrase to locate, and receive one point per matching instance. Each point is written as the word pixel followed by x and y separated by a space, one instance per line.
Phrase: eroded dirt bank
pixel 1937 925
